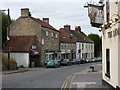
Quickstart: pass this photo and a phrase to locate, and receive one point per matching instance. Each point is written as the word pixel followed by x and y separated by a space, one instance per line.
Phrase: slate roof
pixel 81 37
pixel 19 43
pixel 44 24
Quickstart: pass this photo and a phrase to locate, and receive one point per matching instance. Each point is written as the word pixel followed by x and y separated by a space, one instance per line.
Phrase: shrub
pixel 4 60
pixel 12 63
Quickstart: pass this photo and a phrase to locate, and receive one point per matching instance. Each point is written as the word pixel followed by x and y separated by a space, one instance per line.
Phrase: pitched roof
pixel 44 24
pixel 19 43
pixel 65 37
pixel 81 37
pixel 73 36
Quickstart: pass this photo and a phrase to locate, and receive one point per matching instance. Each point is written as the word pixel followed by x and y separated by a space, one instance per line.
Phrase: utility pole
pixel 8 30
pixel 8 37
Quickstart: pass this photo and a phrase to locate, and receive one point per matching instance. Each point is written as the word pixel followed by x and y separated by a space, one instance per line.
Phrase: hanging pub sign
pixel 95 13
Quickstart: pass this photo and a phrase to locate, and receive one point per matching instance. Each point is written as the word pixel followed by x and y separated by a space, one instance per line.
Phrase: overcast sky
pixel 59 12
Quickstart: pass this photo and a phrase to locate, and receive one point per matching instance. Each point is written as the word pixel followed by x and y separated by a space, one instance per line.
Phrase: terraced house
pixel 75 44
pixel 47 37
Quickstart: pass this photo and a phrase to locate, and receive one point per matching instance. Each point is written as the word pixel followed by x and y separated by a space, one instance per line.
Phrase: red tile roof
pixel 19 43
pixel 66 37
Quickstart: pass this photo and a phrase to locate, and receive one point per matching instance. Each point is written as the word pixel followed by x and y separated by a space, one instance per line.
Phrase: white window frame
pixel 42 41
pixel 56 35
pixel 46 33
pixel 52 34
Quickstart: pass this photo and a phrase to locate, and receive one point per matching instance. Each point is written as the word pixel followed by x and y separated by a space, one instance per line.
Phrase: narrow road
pixel 43 77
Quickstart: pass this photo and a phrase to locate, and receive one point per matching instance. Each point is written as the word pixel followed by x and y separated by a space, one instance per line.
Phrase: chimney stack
pixel 25 12
pixel 67 27
pixel 46 20
pixel 78 28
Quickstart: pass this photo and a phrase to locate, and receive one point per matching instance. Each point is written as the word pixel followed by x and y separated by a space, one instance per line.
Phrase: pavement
pixel 20 70
pixel 86 79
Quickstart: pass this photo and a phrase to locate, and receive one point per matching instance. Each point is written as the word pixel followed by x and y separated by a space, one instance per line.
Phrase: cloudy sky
pixel 59 12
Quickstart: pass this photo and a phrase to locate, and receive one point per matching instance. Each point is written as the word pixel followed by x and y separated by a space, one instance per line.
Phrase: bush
pixel 12 63
pixel 4 60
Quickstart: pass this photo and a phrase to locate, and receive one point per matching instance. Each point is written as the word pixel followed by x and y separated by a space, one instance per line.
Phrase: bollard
pixel 92 68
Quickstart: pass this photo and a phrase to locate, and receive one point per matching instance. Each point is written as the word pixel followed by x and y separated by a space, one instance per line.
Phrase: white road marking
pixel 83 84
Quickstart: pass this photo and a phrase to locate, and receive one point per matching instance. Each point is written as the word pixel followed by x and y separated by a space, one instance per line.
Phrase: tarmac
pixel 84 80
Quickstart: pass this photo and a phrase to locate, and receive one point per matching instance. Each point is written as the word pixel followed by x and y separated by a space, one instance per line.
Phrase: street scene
pixel 74 76
pixel 61 45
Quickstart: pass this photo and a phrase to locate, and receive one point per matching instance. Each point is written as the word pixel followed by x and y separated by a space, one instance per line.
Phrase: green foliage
pixel 97 43
pixel 4 18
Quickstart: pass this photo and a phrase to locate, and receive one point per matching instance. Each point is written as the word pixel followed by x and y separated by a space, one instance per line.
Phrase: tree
pixel 97 43
pixel 4 17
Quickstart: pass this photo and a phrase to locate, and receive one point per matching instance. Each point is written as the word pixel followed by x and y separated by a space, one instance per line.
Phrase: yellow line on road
pixel 65 84
pixel 62 88
pixel 72 80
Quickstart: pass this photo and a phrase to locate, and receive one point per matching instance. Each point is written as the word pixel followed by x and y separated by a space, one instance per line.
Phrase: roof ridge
pixel 44 24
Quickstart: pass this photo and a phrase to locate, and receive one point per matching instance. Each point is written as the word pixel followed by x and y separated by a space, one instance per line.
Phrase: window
pixel 42 41
pixel 110 34
pixel 34 47
pixel 66 45
pixel 79 51
pixel 56 35
pixel 52 34
pixel 91 46
pixel 46 33
pixel 79 46
pixel 82 46
pixel 107 63
pixel 62 45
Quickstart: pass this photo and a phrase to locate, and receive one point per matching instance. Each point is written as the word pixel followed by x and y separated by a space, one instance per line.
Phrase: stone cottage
pixel 47 36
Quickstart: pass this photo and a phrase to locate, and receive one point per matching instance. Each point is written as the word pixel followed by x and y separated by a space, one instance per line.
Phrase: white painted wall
pixel 113 44
pixel 119 61
pixel 87 49
pixel 21 58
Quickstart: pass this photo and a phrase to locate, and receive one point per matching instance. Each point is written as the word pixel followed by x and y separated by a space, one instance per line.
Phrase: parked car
pixel 74 61
pixel 78 60
pixel 88 60
pixel 99 59
pixel 83 60
pixel 65 62
pixel 93 59
pixel 53 63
